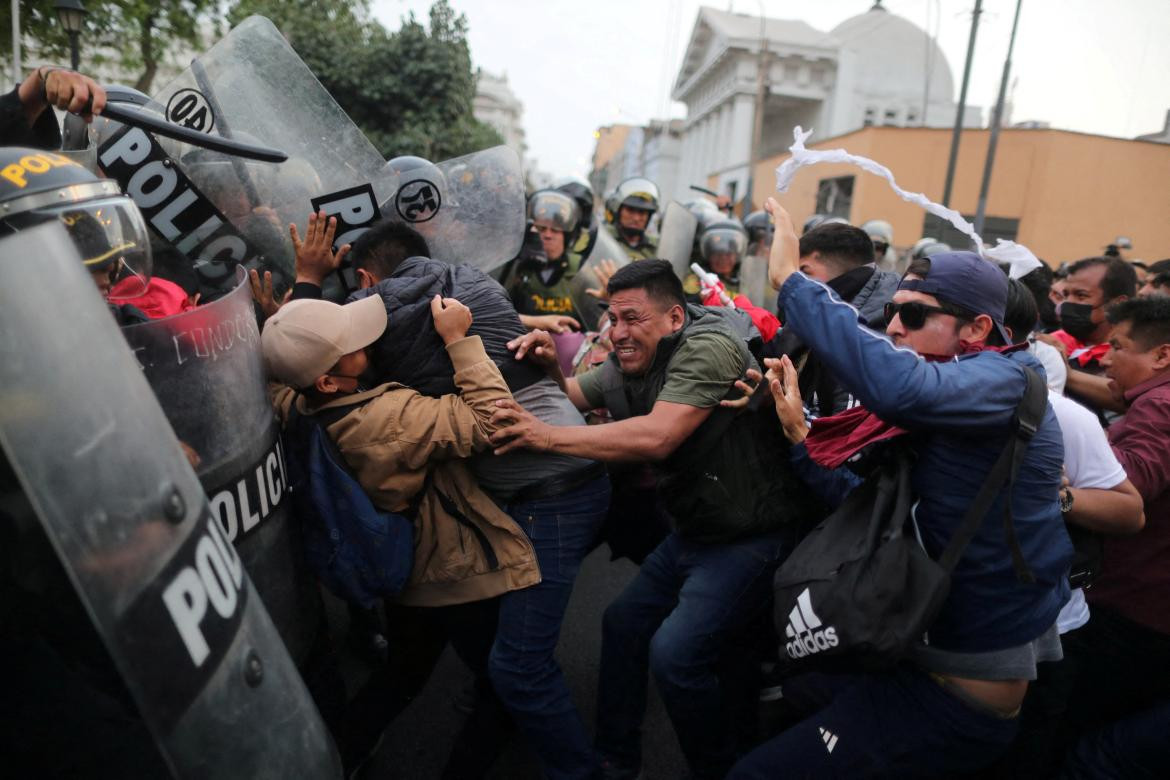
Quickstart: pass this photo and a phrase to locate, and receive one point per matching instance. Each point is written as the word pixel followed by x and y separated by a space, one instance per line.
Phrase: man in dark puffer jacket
pixel 558 500
pixel 841 256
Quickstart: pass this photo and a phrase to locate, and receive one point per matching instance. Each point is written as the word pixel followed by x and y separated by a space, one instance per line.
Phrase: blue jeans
pixel 900 724
pixel 673 620
pixel 522 667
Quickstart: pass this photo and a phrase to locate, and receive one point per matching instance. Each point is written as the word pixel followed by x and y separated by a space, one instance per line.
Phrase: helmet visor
pixel 112 239
pixel 723 240
pixel 554 209
pixel 638 193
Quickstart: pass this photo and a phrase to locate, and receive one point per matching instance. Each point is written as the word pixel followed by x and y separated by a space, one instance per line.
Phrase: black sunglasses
pixel 880 248
pixel 914 314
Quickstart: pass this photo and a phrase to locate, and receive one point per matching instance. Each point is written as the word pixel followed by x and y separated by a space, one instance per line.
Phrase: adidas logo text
pixel 805 632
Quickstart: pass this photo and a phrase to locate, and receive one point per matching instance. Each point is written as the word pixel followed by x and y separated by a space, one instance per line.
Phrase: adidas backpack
pixel 859 590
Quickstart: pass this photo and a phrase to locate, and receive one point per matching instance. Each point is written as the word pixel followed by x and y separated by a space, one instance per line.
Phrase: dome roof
pixel 892 56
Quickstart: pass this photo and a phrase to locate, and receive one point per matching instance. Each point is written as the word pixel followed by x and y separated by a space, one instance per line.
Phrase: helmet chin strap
pixel 632 234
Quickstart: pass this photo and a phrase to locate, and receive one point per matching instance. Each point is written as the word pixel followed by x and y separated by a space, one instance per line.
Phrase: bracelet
pixel 43 74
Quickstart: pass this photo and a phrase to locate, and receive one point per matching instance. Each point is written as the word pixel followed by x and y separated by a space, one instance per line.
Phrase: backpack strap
pixel 326 417
pixel 1029 414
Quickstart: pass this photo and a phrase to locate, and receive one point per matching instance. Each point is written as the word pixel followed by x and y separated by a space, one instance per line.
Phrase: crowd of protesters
pixel 729 430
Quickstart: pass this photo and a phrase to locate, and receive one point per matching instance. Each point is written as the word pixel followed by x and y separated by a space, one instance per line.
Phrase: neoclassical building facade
pixel 875 68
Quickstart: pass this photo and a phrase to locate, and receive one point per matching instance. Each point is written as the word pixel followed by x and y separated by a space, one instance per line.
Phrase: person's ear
pixel 326 384
pixel 678 317
pixel 1161 354
pixel 365 279
pixel 978 329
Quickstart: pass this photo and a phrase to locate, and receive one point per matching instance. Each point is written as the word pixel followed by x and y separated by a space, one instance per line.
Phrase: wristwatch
pixel 1066 500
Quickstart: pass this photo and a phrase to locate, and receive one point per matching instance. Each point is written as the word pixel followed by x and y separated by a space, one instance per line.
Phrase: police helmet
pixel 722 236
pixel 105 225
pixel 758 225
pixel 879 231
pixel 406 162
pixel 409 168
pixel 579 190
pixel 610 203
pixel 637 193
pixel 555 209
pixel 816 220
pixel 927 247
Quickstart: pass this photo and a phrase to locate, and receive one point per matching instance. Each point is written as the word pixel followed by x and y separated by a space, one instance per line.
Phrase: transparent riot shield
pixel 676 238
pixel 127 517
pixel 471 210
pixel 753 282
pixel 605 248
pixel 207 372
pixel 252 86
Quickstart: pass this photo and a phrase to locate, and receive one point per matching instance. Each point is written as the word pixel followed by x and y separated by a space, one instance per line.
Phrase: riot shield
pixel 473 212
pixel 605 248
pixel 223 211
pixel 676 238
pixel 207 373
pixel 753 282
pixel 127 517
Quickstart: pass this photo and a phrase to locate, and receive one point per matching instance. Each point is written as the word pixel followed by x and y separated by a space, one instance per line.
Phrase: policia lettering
pixel 243 505
pixel 18 172
pixel 214 576
pixel 171 204
pixel 181 627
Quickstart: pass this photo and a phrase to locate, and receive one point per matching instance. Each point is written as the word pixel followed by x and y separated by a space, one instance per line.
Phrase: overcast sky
pixel 1098 66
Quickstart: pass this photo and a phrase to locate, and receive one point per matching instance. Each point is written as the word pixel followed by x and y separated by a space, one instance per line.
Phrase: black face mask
pixel 1077 319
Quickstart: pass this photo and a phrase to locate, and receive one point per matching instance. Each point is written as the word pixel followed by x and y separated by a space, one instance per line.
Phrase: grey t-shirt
pixel 504 475
pixel 1012 663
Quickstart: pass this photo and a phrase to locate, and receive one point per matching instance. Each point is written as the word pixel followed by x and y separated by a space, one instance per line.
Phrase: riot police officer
pixel 760 230
pixel 105 225
pixel 540 288
pixel 579 190
pixel 722 245
pixel 629 213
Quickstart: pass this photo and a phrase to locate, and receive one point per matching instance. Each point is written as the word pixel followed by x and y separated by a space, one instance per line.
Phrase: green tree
pixel 410 91
pixel 130 34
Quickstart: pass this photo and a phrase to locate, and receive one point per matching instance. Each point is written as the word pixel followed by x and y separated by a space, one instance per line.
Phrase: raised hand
pixel 263 294
pixel 66 89
pixel 604 272
pixel 785 253
pixel 315 258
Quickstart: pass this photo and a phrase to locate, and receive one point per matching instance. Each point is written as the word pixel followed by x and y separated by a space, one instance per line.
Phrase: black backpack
pixel 859 590
pixel 358 551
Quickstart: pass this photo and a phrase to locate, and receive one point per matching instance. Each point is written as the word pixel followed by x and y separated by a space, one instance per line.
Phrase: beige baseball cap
pixel 307 337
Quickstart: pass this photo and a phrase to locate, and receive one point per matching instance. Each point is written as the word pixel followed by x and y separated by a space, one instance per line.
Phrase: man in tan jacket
pixel 400 445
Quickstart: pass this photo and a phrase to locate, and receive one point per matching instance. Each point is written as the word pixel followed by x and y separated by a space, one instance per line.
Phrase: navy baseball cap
pixel 965 279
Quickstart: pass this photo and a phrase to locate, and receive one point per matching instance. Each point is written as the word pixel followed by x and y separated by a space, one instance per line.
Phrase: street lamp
pixel 71 14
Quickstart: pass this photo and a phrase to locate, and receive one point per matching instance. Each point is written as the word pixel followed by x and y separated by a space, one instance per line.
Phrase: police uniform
pixel 693 288
pixel 646 249
pixel 539 292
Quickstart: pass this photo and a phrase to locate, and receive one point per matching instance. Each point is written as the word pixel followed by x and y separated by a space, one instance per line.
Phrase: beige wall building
pixel 608 157
pixel 1064 195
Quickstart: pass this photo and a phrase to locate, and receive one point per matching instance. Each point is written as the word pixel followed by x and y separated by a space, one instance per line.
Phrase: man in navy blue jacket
pixel 952 706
